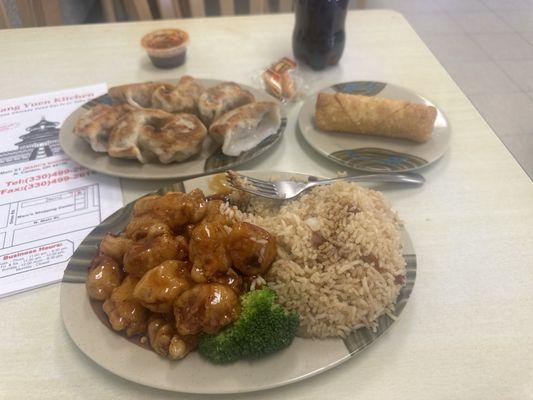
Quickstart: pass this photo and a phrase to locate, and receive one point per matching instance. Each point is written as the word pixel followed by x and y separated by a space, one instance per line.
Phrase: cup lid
pixel 163 39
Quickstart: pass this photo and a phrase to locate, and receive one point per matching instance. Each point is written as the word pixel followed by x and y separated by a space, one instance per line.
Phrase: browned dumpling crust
pixel 96 125
pixel 155 135
pixel 220 99
pixel 136 94
pixel 243 128
pixel 159 122
pixel 183 98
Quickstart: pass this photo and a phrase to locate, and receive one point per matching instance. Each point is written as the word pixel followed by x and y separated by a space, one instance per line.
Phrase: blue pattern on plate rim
pixel 377 160
pixel 365 88
pixel 361 338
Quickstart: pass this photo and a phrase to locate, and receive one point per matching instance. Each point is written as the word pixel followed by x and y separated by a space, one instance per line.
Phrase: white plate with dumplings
pixel 149 157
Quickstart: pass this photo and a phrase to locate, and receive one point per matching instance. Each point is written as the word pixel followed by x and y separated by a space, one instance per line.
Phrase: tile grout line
pixel 461 32
pixel 492 61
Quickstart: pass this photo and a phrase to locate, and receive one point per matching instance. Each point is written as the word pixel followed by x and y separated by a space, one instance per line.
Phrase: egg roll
pixel 377 116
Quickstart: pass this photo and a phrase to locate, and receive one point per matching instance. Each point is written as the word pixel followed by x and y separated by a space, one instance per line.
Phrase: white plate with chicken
pixel 202 289
pixel 172 129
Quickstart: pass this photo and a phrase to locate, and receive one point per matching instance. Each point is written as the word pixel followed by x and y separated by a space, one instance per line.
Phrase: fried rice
pixel 339 263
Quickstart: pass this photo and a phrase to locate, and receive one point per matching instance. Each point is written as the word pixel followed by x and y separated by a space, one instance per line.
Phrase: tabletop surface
pixel 467 332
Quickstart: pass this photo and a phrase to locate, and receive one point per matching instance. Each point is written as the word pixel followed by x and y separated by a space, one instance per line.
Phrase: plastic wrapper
pixel 281 80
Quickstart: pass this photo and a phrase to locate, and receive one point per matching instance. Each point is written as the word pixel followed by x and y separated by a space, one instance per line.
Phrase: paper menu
pixel 48 203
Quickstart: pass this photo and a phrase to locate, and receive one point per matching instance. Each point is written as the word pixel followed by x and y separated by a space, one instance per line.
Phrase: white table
pixel 467 332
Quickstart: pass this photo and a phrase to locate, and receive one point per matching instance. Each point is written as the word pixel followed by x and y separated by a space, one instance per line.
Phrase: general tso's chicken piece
pixel 174 209
pixel 104 276
pixel 252 249
pixel 177 209
pixel 115 246
pixel 144 204
pixel 187 231
pixel 158 229
pixel 195 206
pixel 160 286
pixel 206 308
pixel 160 332
pixel 165 341
pixel 150 252
pixel 142 226
pixel 231 279
pixel 213 213
pixel 124 311
pixel 180 346
pixel 207 251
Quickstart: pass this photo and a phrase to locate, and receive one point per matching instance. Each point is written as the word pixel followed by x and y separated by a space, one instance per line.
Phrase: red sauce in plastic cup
pixel 167 48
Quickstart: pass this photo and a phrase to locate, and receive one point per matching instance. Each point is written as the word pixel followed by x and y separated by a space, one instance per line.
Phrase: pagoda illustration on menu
pixel 40 141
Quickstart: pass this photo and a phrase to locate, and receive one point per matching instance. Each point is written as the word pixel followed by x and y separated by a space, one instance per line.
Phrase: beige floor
pixel 487 47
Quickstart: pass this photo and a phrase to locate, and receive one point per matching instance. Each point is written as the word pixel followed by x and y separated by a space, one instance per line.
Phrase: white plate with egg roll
pixel 375 127
pixel 256 123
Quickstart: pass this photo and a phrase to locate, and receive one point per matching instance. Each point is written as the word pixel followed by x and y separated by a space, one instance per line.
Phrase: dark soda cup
pixel 318 37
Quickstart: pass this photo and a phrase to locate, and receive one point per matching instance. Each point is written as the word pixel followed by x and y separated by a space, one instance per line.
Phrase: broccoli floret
pixel 263 327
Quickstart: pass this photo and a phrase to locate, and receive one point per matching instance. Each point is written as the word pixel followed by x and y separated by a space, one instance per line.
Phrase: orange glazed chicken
pixel 160 286
pixel 150 252
pixel 252 248
pixel 208 251
pixel 124 311
pixel 104 276
pixel 206 307
pixel 177 271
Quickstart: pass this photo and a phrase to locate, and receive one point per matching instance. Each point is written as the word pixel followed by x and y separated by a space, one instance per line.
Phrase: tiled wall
pixel 487 47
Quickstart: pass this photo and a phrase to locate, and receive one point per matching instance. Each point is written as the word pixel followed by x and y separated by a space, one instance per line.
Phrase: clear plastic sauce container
pixel 167 48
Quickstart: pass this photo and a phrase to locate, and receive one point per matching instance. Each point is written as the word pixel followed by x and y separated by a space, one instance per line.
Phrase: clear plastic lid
pixel 165 42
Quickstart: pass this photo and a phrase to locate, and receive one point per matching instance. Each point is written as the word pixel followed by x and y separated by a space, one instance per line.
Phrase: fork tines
pixel 252 185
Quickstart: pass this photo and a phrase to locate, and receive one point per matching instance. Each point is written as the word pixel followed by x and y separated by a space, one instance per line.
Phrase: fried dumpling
pixel 190 87
pixel 182 98
pixel 95 125
pixel 136 94
pixel 149 134
pixel 177 140
pixel 220 99
pixel 245 127
pixel 124 138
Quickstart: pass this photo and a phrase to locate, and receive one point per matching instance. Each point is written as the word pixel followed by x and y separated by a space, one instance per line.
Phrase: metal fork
pixel 285 190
